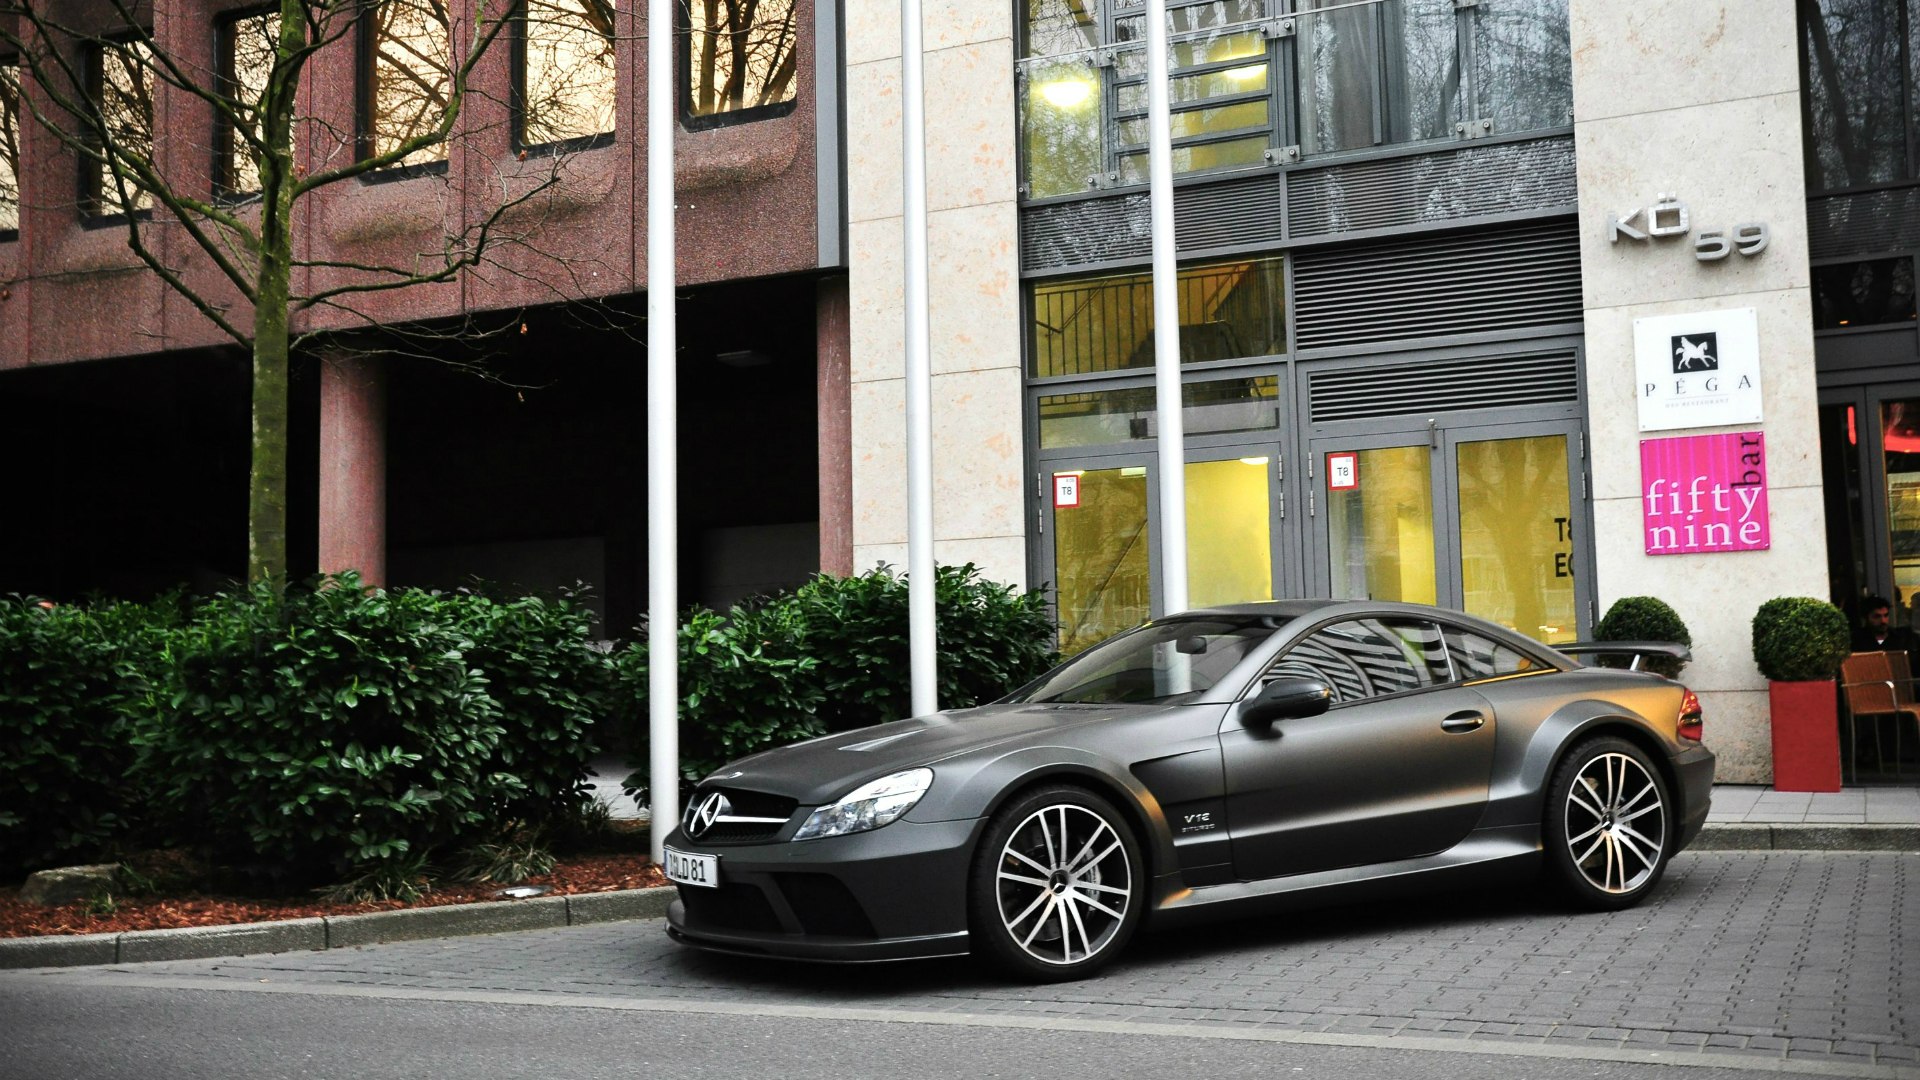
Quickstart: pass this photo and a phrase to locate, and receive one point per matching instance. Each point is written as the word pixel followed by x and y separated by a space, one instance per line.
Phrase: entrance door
pixel 1870 465
pixel 1476 518
pixel 1102 516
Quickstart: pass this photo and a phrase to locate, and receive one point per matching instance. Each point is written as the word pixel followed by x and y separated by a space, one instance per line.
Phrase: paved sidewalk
pixel 1751 804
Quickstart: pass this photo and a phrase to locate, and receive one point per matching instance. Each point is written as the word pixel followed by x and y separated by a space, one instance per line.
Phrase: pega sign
pixel 1705 493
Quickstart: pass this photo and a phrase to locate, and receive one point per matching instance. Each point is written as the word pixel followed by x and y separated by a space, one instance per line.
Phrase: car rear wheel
pixel 1057 886
pixel 1609 828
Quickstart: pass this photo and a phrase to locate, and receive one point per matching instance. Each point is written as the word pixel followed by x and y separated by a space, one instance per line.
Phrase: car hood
pixel 821 770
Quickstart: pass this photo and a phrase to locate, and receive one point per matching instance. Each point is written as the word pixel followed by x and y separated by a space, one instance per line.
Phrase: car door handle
pixel 1463 721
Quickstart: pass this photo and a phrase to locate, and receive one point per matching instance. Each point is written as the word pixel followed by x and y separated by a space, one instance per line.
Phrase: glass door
pixel 1870 471
pixel 1102 517
pixel 1480 519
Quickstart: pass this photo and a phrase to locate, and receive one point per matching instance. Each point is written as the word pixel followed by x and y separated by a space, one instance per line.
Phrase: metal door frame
pixel 1870 449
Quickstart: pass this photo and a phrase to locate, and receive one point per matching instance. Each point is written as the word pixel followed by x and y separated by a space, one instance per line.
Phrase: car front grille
pixel 741 803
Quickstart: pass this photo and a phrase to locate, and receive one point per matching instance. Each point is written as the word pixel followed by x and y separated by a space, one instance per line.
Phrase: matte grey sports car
pixel 1299 750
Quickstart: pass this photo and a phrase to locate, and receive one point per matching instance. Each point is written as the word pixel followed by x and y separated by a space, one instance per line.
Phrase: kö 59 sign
pixel 1668 217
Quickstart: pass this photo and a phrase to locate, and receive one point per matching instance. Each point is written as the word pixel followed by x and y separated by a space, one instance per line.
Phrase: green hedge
pixel 1644 618
pixel 833 656
pixel 1799 639
pixel 73 680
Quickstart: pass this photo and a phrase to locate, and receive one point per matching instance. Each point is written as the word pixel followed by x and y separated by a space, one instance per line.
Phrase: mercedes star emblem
pixel 704 813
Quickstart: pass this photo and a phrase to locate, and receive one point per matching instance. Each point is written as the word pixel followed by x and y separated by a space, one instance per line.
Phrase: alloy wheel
pixel 1616 823
pixel 1063 884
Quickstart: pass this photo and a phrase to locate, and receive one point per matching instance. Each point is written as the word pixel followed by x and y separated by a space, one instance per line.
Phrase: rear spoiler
pixel 1637 650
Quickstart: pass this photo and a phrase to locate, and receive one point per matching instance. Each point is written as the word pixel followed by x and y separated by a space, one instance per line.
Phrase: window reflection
pixel 1523 64
pixel 740 56
pixel 1873 292
pixel 121 73
pixel 408 77
pixel 567 80
pixel 1227 311
pixel 1856 62
pixel 9 144
pixel 1375 74
pixel 246 61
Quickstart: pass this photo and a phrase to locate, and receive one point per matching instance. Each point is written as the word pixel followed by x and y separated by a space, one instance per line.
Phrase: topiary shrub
pixel 1644 618
pixel 72 681
pixel 1799 639
pixel 325 733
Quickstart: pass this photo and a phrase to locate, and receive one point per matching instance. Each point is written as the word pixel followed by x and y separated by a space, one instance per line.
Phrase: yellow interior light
pixel 1066 93
pixel 1249 73
pixel 1253 461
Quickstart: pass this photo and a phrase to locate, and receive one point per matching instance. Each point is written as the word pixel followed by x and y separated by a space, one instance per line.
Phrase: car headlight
pixel 869 806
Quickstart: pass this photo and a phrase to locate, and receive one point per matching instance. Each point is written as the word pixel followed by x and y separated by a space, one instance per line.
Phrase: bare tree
pixel 93 86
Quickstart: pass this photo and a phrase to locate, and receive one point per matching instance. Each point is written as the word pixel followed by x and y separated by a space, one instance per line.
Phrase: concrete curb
pixel 334 931
pixel 1758 836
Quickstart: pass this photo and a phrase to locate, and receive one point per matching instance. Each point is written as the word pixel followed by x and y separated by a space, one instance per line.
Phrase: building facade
pixel 1514 306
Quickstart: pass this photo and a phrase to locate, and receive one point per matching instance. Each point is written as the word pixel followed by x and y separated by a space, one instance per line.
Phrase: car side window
pixel 1480 657
pixel 1368 658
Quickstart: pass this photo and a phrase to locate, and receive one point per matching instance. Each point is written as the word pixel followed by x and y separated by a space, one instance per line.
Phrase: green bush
pixel 832 656
pixel 745 685
pixel 991 639
pixel 1799 639
pixel 72 681
pixel 325 733
pixel 1644 618
pixel 551 684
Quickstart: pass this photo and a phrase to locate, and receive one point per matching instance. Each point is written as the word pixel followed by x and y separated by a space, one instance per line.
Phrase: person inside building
pixel 1877 633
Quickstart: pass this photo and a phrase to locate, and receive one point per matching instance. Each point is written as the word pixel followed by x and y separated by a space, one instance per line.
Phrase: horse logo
pixel 1696 352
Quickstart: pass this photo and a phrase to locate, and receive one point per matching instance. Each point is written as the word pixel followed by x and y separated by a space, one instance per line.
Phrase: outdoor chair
pixel 1872 691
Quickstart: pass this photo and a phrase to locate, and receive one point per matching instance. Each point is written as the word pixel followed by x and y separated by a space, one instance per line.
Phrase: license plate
pixel 690 869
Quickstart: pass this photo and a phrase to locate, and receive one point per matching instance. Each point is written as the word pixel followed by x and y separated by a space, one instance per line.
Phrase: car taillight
pixel 1690 719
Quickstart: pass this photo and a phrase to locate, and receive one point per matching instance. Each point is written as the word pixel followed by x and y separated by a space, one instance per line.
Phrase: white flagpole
pixel 1166 321
pixel 663 562
pixel 919 385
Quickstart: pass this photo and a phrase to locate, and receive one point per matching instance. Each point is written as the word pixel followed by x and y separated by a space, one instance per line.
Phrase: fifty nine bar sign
pixel 1704 493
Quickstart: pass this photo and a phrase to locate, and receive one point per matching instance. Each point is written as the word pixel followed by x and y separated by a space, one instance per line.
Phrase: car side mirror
pixel 1287 699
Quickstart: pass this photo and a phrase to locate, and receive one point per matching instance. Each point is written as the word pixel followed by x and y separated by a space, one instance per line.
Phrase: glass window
pixel 1100 550
pixel 1227 311
pixel 1516 538
pixel 1367 658
pixel 1098 417
pixel 1869 293
pixel 1476 656
pixel 1229 531
pixel 566 80
pixel 407 78
pixel 740 59
pixel 1060 119
pixel 9 146
pixel 1219 91
pixel 247 45
pixel 1900 443
pixel 121 78
pixel 1380 526
pixel 1856 113
pixel 1376 74
pixel 1523 64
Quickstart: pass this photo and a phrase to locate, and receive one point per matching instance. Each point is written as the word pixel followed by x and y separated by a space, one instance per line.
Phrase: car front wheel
pixel 1609 828
pixel 1057 886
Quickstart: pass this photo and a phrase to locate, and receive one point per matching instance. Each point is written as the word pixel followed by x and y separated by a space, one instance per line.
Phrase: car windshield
pixel 1164 663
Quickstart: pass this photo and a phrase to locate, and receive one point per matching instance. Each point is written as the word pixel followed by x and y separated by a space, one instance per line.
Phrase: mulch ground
pixel 576 874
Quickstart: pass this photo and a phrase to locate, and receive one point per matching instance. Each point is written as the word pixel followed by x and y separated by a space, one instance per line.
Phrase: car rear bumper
pixel 895 893
pixel 1694 768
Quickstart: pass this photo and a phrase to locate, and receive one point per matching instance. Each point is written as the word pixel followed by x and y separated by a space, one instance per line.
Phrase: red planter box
pixel 1806 736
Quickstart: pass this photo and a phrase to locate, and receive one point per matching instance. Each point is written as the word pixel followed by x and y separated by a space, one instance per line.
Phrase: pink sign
pixel 1705 493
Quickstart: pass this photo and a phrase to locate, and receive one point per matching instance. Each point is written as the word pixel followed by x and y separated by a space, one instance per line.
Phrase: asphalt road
pixel 1741 963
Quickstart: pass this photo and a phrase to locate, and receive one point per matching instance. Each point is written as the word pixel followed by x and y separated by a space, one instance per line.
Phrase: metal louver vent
pixel 1111 229
pixel 1473 182
pixel 1865 222
pixel 1480 382
pixel 1457 283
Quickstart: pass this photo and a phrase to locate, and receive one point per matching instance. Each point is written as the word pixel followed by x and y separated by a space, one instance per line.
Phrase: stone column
pixel 1699 101
pixel 834 402
pixel 353 467
pixel 979 508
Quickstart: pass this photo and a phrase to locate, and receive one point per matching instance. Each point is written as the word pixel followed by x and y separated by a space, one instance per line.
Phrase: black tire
pixel 1609 826
pixel 1075 919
